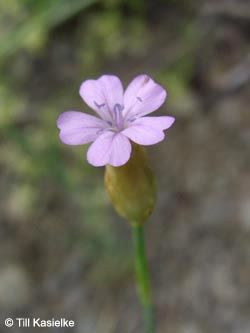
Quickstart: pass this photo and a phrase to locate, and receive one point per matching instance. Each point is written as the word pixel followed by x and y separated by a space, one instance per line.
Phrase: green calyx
pixel 131 187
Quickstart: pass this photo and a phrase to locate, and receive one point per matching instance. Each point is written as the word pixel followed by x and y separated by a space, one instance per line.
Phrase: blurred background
pixel 63 250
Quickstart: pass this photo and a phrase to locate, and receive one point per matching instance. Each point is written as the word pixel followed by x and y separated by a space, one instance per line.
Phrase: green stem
pixel 142 277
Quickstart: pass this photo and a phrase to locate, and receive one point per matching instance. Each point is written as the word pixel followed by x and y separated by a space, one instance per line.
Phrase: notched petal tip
pixel 61 119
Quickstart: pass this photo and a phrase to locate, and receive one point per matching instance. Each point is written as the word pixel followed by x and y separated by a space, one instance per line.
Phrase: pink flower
pixel 121 118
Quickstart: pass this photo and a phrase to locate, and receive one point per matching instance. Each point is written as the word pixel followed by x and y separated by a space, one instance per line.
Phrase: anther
pixel 99 105
pixel 118 107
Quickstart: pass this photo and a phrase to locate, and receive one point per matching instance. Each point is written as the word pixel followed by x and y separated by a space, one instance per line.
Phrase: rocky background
pixel 63 250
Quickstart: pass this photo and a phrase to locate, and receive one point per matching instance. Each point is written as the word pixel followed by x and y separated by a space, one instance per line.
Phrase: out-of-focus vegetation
pixel 46 49
pixel 27 23
pixel 37 166
pixel 32 51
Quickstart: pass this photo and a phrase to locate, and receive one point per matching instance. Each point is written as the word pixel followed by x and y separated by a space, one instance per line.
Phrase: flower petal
pixel 158 123
pixel 102 94
pixel 143 135
pixel 148 130
pixel 77 128
pixel 143 96
pixel 109 148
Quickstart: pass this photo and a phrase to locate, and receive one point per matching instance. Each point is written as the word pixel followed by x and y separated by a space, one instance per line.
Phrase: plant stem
pixel 142 277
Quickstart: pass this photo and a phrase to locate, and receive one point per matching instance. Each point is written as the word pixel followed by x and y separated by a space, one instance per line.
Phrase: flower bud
pixel 131 187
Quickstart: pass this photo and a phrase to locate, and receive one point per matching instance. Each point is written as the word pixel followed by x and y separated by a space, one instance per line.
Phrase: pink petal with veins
pixel 102 94
pixel 109 148
pixel 143 96
pixel 77 128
